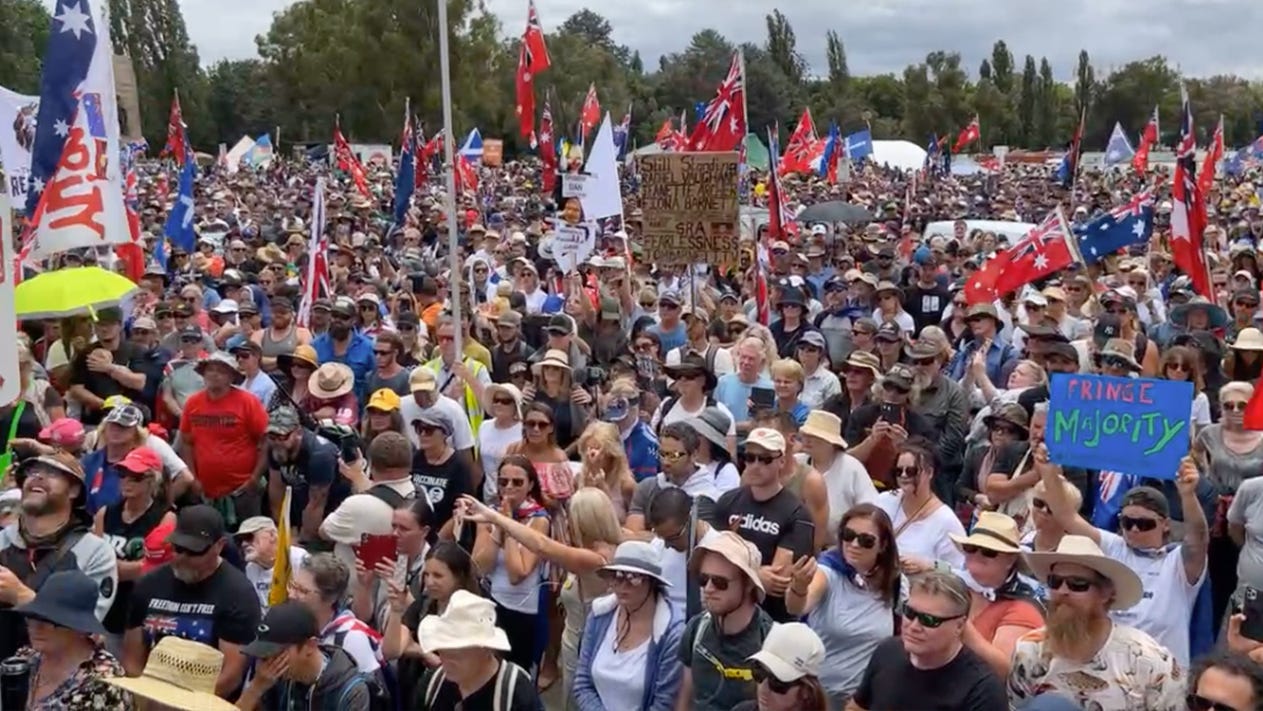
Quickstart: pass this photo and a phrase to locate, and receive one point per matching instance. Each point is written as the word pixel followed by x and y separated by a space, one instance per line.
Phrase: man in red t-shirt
pixel 223 435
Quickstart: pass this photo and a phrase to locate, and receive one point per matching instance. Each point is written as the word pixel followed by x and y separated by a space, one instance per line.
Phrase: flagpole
pixel 745 118
pixel 449 150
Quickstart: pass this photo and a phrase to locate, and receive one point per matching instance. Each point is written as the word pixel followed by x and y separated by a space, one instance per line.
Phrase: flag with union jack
pixel 316 281
pixel 1049 247
pixel 1188 208
pixel 347 162
pixel 722 127
pixel 177 145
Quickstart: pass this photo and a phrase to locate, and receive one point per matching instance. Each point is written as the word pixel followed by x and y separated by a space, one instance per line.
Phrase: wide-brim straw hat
pixel 994 531
pixel 1249 339
pixel 179 674
pixel 468 622
pixel 1081 550
pixel 825 425
pixel 1122 349
pixel 330 381
pixel 554 358
pixel 304 354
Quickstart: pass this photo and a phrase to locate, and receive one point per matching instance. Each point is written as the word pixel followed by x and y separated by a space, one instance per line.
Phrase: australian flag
pixel 932 157
pixel 70 48
pixel 621 132
pixel 1125 225
pixel 179 228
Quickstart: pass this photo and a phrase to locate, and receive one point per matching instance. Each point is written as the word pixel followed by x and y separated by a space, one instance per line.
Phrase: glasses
pixel 181 550
pixel 775 685
pixel 860 332
pixel 970 549
pixel 906 472
pixel 502 401
pixel 368 308
pixel 760 458
pixel 507 482
pixel 672 456
pixel 866 541
pixel 924 361
pixel 538 424
pixel 1114 362
pixel 926 619
pixel 668 307
pixel 644 346
pixel 428 429
pixel 622 576
pixel 1233 405
pixel 1176 365
pixel 1196 702
pixel 1039 504
pixel 141 331
pixel 719 582
pixel 1138 523
pixel 1074 583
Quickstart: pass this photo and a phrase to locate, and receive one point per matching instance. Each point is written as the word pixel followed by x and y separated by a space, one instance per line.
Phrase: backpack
pixel 700 650
pixel 506 684
pixel 383 687
pixel 378 700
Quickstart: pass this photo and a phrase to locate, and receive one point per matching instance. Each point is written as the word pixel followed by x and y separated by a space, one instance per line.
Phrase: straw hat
pixel 825 425
pixel 303 355
pixel 330 381
pixel 1249 339
pixel 554 358
pixel 1081 550
pixel 468 622
pixel 736 550
pixel 180 674
pixel 863 360
pixel 1123 349
pixel 994 531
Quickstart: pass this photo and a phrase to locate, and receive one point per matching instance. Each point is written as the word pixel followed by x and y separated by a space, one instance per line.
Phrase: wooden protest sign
pixel 1129 425
pixel 690 206
pixel 492 152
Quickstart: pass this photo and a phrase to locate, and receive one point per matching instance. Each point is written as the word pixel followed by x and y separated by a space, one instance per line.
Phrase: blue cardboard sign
pixel 1130 425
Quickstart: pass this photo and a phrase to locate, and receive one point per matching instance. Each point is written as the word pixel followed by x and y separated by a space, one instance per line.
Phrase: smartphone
pixel 374 549
pixel 763 397
pixel 890 413
pixel 1252 606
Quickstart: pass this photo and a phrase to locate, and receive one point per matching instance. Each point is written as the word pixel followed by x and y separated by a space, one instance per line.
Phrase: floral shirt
pixel 84 690
pixel 1131 672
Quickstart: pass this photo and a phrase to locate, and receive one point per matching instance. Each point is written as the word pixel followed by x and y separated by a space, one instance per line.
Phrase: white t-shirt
pixel 722 360
pixel 847 483
pixel 679 413
pixel 928 537
pixel 1200 416
pixel 492 444
pixel 261 578
pixel 675 569
pixel 462 432
pixel 619 677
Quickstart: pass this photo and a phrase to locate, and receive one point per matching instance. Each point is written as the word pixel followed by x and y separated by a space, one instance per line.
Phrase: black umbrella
pixel 834 212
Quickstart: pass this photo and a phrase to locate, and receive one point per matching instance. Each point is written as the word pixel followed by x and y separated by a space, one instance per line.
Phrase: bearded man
pixel 1080 652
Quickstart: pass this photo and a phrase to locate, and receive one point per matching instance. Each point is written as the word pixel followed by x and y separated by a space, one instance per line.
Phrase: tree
pixel 1130 92
pixel 24 27
pixel 835 52
pixel 1085 82
pixel 1046 106
pixel 594 29
pixel 984 70
pixel 1002 67
pixel 238 99
pixel 782 47
pixel 1027 103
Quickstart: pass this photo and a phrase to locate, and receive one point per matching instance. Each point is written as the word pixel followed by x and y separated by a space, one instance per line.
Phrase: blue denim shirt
pixel 999 356
pixel 359 357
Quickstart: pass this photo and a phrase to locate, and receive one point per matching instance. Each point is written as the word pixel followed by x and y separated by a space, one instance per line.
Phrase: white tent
pixel 904 155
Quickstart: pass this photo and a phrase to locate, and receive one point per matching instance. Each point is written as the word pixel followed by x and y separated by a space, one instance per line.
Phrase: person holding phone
pixel 737 390
pixel 882 425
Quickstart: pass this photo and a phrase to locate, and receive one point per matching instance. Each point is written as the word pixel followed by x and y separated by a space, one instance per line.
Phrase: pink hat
pixel 157 551
pixel 141 460
pixel 63 432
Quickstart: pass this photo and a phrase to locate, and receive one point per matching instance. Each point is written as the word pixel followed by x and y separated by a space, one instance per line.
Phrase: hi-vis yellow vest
pixel 473 408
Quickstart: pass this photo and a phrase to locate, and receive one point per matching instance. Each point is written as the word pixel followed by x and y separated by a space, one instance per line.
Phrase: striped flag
pixel 317 279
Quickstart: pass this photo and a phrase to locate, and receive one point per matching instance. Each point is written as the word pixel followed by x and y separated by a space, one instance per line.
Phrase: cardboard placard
pixel 493 152
pixel 1131 425
pixel 691 208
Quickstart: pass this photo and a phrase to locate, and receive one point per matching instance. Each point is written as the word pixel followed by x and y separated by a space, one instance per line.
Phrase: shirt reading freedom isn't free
pixel 221 607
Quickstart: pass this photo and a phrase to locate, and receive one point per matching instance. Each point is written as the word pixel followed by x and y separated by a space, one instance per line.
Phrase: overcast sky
pixel 1203 37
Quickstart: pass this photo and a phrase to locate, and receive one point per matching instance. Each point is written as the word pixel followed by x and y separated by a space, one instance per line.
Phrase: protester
pixel 787 668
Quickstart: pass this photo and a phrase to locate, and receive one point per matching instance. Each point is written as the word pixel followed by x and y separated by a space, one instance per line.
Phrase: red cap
pixel 141 460
pixel 157 551
pixel 63 432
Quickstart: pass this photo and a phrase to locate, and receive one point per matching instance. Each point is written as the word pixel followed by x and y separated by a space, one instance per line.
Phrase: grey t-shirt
pixel 722 676
pixel 1247 510
pixel 647 489
pixel 397 382
pixel 1227 468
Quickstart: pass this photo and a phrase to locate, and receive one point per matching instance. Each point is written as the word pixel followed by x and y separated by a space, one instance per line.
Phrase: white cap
pixel 767 438
pixel 819 230
pixel 1035 298
pixel 227 306
pixel 790 652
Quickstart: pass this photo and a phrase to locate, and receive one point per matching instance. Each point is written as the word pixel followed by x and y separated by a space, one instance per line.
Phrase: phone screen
pixel 763 397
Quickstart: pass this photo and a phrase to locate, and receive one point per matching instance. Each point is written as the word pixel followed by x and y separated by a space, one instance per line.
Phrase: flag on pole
pixel 1214 154
pixel 177 145
pixel 722 126
pixel 668 138
pixel 132 252
pixel 1118 149
pixel 347 162
pixel 621 133
pixel 405 181
pixel 1125 225
pixel 970 133
pixel 803 145
pixel 1188 211
pixel 1048 248
pixel 590 115
pixel 425 157
pixel 179 227
pixel 834 148
pixel 316 281
pixel 281 572
pixel 532 59
pixel 1069 167
pixel 1148 137
pixel 548 149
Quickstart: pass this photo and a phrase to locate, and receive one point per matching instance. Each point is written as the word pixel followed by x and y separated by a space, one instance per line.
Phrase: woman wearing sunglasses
pixel 849 598
pixel 1003 605
pixel 922 521
pixel 629 656
pixel 1183 364
pixel 787 670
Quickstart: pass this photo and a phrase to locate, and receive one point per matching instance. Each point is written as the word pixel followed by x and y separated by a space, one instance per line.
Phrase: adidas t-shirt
pixel 779 522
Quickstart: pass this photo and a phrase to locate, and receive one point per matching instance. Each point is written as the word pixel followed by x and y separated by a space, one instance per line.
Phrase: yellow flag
pixel 280 570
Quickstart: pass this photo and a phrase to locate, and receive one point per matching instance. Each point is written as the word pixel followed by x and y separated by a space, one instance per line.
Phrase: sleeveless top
pixel 128 542
pixel 272 348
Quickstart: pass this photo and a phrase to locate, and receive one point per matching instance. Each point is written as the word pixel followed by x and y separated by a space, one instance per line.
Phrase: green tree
pixel 1130 92
pixel 1002 67
pixel 24 27
pixel 835 52
pixel 782 47
pixel 984 70
pixel 1027 101
pixel 1085 83
pixel 238 99
pixel 1046 106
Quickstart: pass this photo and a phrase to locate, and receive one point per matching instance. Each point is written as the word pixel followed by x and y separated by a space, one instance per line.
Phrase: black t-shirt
pixel 926 305
pixel 862 419
pixel 443 484
pixel 101 384
pixel 223 606
pixel 891 683
pixel 315 465
pixel 28 424
pixel 525 697
pixel 501 360
pixel 779 522
pixel 128 542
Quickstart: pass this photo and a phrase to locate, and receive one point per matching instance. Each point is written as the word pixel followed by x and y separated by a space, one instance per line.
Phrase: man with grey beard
pixel 1080 651
pixel 197 597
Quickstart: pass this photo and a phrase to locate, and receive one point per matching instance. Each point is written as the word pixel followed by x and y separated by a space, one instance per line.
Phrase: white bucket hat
pixel 1081 550
pixel 1249 339
pixel 825 425
pixel 790 652
pixel 468 622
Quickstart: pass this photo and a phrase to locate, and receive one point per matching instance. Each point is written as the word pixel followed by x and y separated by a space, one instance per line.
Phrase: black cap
pixel 407 318
pixel 284 625
pixel 197 528
pixel 889 331
pixel 1248 296
pixel 1107 326
pixel 247 307
pixel 561 325
pixel 109 314
pixel 247 345
pixel 1147 497
pixel 191 331
pixel 1063 350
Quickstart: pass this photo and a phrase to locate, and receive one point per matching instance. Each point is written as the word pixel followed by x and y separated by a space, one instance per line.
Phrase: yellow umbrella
pixel 69 292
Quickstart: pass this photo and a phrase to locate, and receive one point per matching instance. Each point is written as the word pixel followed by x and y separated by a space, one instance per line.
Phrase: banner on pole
pixel 573 245
pixel 17 136
pixel 10 374
pixel 1131 425
pixel 690 205
pixel 574 185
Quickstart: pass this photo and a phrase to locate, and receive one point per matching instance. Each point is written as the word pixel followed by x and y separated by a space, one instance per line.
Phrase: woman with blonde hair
pixel 604 465
pixel 381 415
pixel 1045 533
pixel 788 379
pixel 594 533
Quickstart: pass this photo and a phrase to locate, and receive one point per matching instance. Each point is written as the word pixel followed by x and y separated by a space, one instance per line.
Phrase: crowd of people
pixel 513 488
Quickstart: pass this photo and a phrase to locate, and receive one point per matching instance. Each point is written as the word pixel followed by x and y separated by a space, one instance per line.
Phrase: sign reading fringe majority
pixel 690 206
pixel 1131 425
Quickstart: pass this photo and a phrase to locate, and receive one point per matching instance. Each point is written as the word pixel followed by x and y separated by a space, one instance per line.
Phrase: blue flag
pixel 932 153
pixel 832 149
pixel 1123 226
pixel 70 49
pixel 1119 149
pixel 160 252
pixel 859 145
pixel 405 180
pixel 179 228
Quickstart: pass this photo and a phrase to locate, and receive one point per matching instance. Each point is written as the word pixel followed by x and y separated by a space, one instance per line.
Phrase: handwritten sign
pixel 574 185
pixel 573 245
pixel 493 152
pixel 1132 425
pixel 690 206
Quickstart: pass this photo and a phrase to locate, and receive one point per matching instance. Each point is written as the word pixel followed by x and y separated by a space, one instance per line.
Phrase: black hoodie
pixel 339 688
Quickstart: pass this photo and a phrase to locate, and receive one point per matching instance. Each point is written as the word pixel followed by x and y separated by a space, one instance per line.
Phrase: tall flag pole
pixel 970 133
pixel 1214 154
pixel 347 162
pixel 1188 211
pixel 1148 137
pixel 177 145
pixel 405 180
pixel 722 125
pixel 317 279
pixel 449 150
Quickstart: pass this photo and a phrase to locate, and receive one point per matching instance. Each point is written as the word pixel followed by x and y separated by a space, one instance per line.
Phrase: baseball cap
pixel 1062 349
pixel 509 318
pixel 1107 326
pixel 227 306
pixel 767 438
pixel 158 551
pixel 254 524
pixel 811 338
pixel 191 332
pixel 610 310
pixel 109 314
pixel 141 460
pixel 790 652
pixel 669 297
pixel 63 432
pixel 248 346
pixel 561 325
pixel 433 418
pixel 616 409
pixel 125 415
pixel 286 624
pixel 1149 498
pixel 422 380
pixel 144 323
pixel 889 331
pixel 384 400
pixel 283 420
pixel 197 528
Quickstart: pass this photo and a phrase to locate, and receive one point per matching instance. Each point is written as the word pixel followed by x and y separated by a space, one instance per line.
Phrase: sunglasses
pixel 644 346
pixel 775 685
pixel 924 361
pixel 181 550
pixel 1139 524
pixel 1074 583
pixel 1177 366
pixel 926 619
pixel 1114 362
pixel 894 388
pixel 866 541
pixel 1201 703
pixel 502 401
pixel 970 549
pixel 507 482
pixel 622 576
pixel 1233 405
pixel 538 424
pixel 428 429
pixel 191 340
pixel 760 458
pixel 718 582
pixel 861 332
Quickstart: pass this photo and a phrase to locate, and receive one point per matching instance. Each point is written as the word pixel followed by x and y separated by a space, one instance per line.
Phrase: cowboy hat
pixel 825 425
pixel 1249 339
pixel 994 531
pixel 1011 413
pixel 737 551
pixel 179 674
pixel 1081 550
pixel 1122 349
pixel 303 354
pixel 712 424
pixel 1217 316
pixel 468 622
pixel 863 360
pixel 639 557
pixel 689 366
pixel 331 381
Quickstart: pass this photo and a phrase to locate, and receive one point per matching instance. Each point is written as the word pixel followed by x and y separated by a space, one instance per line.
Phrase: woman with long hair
pixel 539 442
pixel 296 370
pixel 604 465
pixel 1244 360
pixel 787 669
pixel 497 433
pixel 1045 532
pixel 381 415
pixel 1181 363
pixel 121 432
pixel 1123 306
pixel 629 656
pixel 553 385
pixel 922 521
pixel 515 572
pixel 849 597
pixel 593 535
